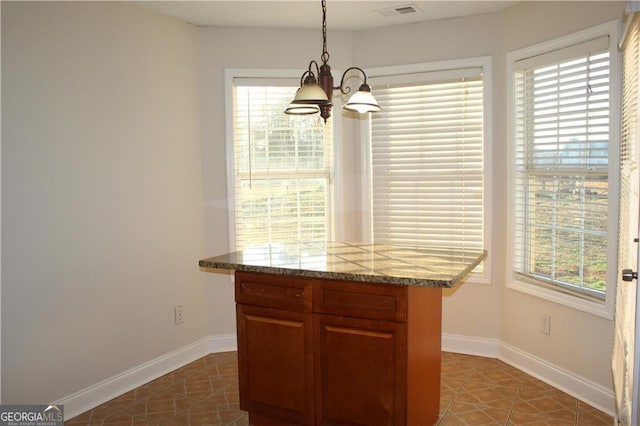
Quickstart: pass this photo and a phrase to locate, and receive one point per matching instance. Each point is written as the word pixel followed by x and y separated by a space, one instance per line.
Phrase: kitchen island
pixel 335 333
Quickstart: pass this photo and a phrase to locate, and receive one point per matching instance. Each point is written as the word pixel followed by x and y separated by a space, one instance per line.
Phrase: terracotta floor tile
pixel 138 409
pixel 589 416
pixel 102 410
pixel 160 383
pixel 528 419
pixel 122 401
pixel 475 391
pixel 205 419
pixel 444 405
pixel 207 406
pixel 461 413
pixel 232 416
pixel 157 419
pixel 161 406
pixel 176 421
pixel 118 419
pixel 228 383
pixel 454 372
pixel 497 376
pixel 450 387
pixel 487 395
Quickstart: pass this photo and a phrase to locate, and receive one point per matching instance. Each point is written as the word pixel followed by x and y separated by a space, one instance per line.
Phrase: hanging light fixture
pixel 316 86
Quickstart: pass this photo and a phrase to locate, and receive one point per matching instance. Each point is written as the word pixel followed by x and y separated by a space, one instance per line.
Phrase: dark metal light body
pixel 309 96
pixel 325 80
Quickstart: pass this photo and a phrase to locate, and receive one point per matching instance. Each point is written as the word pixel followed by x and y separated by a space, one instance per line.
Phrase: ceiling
pixel 351 15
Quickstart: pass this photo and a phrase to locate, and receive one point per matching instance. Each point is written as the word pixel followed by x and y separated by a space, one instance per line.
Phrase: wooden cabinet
pixel 274 350
pixel 329 352
pixel 359 371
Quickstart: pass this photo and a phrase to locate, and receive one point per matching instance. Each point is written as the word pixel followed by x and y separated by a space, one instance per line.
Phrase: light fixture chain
pixel 325 54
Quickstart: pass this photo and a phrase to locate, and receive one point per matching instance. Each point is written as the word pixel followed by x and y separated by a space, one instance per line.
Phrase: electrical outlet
pixel 178 314
pixel 545 324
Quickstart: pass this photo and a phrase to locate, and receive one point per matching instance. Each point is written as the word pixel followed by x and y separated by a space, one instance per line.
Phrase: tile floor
pixel 475 391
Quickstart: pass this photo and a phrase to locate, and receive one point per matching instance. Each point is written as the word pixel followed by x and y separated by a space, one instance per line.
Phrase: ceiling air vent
pixel 398 10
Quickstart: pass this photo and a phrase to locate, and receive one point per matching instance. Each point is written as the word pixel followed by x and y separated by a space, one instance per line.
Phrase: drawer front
pixel 358 300
pixel 274 291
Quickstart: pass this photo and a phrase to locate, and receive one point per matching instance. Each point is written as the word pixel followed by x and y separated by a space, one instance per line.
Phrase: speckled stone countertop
pixel 373 263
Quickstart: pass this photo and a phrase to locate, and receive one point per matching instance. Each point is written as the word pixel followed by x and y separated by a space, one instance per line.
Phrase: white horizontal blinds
pixel 562 151
pixel 282 168
pixel 625 310
pixel 427 160
pixel 629 136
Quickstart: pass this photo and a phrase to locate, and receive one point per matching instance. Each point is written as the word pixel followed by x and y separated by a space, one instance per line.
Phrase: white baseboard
pixel 579 387
pixel 92 396
pixel 585 390
pixel 470 345
pixel 223 343
pixel 591 393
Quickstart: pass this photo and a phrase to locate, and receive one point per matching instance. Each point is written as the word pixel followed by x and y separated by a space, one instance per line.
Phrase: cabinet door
pixel 360 371
pixel 275 358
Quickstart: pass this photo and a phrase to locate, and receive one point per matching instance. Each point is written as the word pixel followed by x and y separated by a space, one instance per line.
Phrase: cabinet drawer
pixel 358 300
pixel 274 291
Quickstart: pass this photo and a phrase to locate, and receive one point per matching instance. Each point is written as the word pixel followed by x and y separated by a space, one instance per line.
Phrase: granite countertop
pixel 373 263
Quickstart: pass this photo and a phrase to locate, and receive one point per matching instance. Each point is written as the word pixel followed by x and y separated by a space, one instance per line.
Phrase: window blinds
pixel 282 168
pixel 427 159
pixel 562 151
pixel 624 342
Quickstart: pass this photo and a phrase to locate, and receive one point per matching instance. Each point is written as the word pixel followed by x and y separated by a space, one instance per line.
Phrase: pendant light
pixel 316 86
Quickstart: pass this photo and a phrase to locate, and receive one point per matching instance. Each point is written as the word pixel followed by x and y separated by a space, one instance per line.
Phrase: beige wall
pixel 101 192
pixel 114 183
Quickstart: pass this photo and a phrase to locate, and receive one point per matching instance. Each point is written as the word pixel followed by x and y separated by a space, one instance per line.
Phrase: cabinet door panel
pixel 275 359
pixel 360 371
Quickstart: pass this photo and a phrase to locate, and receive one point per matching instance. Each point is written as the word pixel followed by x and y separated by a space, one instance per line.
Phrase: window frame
pixel 334 176
pixel 483 62
pixel 514 280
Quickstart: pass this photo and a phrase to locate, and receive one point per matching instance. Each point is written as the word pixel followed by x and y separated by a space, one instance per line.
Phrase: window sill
pixel 600 309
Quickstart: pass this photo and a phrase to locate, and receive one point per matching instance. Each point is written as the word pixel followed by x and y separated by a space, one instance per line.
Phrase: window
pixel 563 150
pixel 428 174
pixel 281 167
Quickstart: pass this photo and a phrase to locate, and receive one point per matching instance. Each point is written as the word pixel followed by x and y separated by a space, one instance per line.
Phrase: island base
pixel 330 352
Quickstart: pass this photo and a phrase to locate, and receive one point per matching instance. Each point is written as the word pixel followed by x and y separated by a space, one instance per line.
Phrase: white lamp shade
pixel 301 109
pixel 362 101
pixel 310 94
